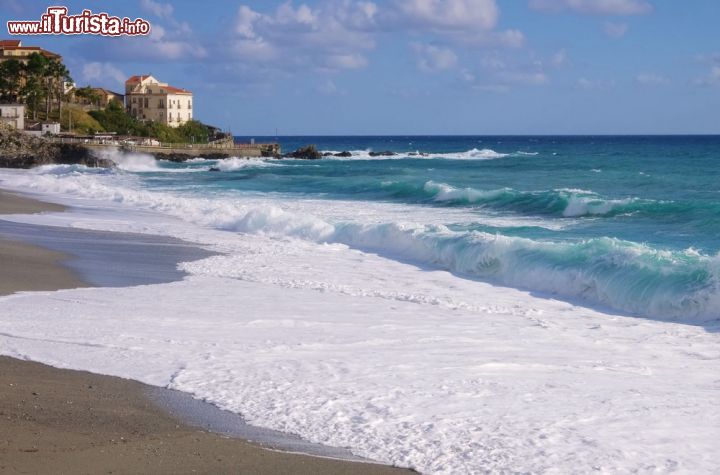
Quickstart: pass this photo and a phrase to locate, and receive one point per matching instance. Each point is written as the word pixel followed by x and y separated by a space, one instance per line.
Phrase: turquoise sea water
pixel 628 222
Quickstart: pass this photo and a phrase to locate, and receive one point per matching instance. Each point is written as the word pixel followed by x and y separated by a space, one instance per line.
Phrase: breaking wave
pixel 472 154
pixel 235 163
pixel 564 202
pixel 625 275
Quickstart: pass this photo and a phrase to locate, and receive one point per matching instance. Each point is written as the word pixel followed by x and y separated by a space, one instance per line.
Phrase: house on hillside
pixel 94 96
pixel 107 96
pixel 13 114
pixel 146 98
pixel 13 49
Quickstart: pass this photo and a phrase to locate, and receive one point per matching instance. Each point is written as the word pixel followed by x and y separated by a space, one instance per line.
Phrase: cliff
pixel 19 150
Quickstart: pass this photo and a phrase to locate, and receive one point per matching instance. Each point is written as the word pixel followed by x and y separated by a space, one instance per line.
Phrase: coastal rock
pixel 386 153
pixel 338 154
pixel 184 157
pixel 305 153
pixel 19 150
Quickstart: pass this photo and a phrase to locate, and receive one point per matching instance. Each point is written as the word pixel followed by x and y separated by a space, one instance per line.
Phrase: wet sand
pixel 63 421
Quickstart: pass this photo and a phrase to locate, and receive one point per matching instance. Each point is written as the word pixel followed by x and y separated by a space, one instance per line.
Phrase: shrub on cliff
pixel 114 119
pixel 81 121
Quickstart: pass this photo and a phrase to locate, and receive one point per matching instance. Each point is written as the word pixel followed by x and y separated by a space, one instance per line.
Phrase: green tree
pixel 11 76
pixel 58 74
pixel 194 131
pixel 89 94
pixel 36 75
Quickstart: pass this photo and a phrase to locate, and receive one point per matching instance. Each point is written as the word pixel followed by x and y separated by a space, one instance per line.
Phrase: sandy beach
pixel 63 421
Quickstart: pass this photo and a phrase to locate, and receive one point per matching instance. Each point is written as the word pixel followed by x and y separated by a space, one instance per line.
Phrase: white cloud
pixel 434 58
pixel 102 74
pixel 510 38
pixel 533 78
pixel 450 14
pixel 711 79
pixel 496 73
pixel 592 84
pixel 329 88
pixel 162 10
pixel 615 30
pixel 651 79
pixel 559 58
pixel 595 7
pixel 169 40
pixel 328 37
pixel 346 61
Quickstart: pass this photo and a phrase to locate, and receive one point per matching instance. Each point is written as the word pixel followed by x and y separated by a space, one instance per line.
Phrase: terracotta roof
pixel 175 90
pixel 137 79
pixel 4 43
pixel 29 48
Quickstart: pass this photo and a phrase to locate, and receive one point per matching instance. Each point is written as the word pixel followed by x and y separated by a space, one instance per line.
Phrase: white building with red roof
pixel 146 98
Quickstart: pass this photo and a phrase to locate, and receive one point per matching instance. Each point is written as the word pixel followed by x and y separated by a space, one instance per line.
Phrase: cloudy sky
pixel 416 66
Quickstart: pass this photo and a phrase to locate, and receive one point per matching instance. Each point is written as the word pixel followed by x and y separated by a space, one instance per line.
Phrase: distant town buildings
pixel 43 128
pixel 107 96
pixel 13 114
pixel 146 98
pixel 13 49
pixel 93 96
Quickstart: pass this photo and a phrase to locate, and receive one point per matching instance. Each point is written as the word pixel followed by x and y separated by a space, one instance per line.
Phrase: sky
pixel 394 67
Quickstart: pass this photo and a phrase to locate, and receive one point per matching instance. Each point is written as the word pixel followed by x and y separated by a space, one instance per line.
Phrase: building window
pixel 147 101
pixel 134 101
pixel 171 119
pixel 189 104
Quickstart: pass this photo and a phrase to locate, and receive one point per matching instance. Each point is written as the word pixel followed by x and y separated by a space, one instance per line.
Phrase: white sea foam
pixel 236 163
pixel 473 154
pixel 131 161
pixel 399 363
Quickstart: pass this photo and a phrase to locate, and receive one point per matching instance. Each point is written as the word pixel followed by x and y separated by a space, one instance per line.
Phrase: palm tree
pixel 59 74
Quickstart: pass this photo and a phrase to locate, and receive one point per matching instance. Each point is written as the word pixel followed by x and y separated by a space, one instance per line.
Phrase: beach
pixel 62 421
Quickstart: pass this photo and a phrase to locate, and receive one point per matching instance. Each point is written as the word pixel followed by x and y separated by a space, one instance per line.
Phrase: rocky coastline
pixel 19 150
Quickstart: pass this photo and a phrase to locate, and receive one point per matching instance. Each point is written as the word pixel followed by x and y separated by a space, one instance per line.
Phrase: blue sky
pixel 416 66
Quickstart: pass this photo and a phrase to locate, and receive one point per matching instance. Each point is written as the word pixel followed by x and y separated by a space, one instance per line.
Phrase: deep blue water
pixel 632 218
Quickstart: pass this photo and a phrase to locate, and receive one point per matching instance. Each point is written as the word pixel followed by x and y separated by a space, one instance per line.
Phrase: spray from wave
pixel 131 161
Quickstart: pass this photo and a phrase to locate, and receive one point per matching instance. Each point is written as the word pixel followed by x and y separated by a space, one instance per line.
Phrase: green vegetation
pixel 114 119
pixel 38 83
pixel 89 94
pixel 81 121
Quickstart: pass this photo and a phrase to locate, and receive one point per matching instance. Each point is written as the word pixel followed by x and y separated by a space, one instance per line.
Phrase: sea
pixel 631 223
pixel 455 304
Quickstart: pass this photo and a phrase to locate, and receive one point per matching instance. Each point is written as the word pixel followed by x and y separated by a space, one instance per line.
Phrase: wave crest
pixel 621 274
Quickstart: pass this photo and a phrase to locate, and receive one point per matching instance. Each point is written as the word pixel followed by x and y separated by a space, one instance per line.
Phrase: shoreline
pixel 65 420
